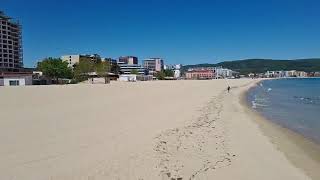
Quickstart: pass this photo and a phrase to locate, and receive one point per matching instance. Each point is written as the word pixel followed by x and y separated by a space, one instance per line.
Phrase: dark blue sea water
pixel 291 103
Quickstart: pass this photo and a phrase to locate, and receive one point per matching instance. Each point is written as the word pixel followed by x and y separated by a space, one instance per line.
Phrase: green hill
pixel 263 65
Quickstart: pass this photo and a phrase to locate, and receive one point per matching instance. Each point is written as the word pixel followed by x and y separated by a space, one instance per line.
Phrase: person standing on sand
pixel 228 89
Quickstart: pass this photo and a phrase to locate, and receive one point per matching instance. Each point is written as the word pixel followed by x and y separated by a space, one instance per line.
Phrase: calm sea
pixel 292 103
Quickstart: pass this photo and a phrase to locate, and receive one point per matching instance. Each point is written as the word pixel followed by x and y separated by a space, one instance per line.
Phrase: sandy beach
pixel 160 130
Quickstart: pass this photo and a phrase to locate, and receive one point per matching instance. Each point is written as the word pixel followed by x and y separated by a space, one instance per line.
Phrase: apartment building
pixel 11 55
pixel 200 74
pixel 130 68
pixel 130 60
pixel 154 64
pixel 111 61
pixel 74 59
pixel 223 72
pixel 71 59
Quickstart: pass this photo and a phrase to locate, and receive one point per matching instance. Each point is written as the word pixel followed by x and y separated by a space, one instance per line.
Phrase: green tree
pixel 160 75
pixel 87 65
pixel 134 71
pixel 55 68
pixel 102 68
pixel 168 73
pixel 262 65
pixel 82 69
pixel 115 68
pixel 164 73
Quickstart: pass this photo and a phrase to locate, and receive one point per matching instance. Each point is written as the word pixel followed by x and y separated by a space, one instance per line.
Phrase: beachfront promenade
pixel 157 130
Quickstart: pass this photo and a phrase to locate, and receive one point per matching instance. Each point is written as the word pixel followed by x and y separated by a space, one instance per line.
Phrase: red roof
pixel 15 74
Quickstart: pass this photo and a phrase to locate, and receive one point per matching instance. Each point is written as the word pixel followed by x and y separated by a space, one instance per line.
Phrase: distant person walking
pixel 228 89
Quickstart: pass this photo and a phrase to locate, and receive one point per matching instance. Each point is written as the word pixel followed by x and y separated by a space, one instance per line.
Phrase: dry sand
pixel 145 130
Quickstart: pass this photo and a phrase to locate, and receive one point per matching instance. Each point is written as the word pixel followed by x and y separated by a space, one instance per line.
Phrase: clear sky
pixel 181 31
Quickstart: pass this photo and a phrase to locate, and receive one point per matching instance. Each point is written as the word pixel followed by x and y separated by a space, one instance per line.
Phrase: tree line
pixel 56 69
pixel 262 65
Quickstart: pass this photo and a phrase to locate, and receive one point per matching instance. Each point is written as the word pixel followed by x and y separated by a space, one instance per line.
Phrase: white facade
pixel 303 74
pixel 270 74
pixel 128 78
pixel 294 73
pixel 39 73
pixel 128 68
pixel 177 66
pixel 177 74
pixel 154 64
pixel 131 60
pixel 14 82
pixel 172 67
pixel 71 59
pixel 168 67
pixel 223 73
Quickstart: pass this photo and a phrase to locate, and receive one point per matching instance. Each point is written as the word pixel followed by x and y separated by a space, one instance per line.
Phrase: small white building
pixel 15 79
pixel 128 77
pixel 177 74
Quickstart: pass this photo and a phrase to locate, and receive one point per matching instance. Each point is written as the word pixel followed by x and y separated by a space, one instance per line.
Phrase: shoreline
pixel 302 152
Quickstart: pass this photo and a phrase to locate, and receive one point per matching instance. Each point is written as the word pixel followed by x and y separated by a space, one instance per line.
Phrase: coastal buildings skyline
pixel 109 55
pixel 208 35
pixel 12 61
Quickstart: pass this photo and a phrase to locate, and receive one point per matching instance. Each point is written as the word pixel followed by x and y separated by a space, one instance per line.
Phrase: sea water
pixel 292 103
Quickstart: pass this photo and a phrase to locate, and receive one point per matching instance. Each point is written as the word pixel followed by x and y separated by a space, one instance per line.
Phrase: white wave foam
pixel 255 104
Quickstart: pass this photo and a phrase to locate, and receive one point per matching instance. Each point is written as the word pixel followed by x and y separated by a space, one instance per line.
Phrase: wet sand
pixel 301 151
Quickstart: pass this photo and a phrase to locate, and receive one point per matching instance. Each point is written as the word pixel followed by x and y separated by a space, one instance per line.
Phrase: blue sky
pixel 181 31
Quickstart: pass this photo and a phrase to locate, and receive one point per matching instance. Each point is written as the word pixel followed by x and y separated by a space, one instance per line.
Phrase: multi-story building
pixel 111 61
pixel 11 56
pixel 74 59
pixel 129 65
pixel 128 60
pixel 275 74
pixel 302 74
pixel 168 67
pixel 200 74
pixel 154 64
pixel 114 67
pixel 172 66
pixel 132 69
pixel 294 73
pixel 71 59
pixel 223 73
pixel 316 74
